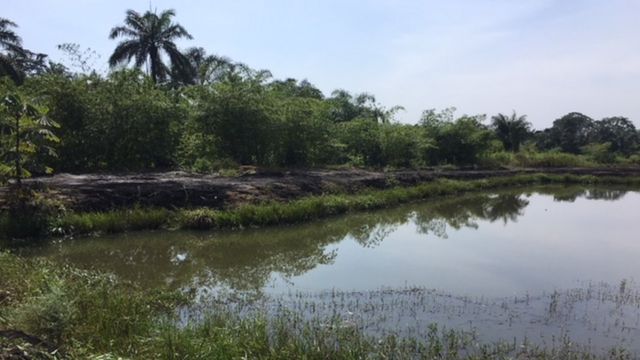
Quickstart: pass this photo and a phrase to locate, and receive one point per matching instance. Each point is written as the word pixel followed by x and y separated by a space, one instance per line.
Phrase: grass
pixel 88 315
pixel 113 221
pixel 301 210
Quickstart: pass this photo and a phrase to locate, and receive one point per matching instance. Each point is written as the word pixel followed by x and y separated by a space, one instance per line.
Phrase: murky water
pixel 544 263
pixel 491 244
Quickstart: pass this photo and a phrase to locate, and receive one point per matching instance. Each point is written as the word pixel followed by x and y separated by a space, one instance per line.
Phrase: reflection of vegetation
pixel 464 212
pixel 247 260
pixel 571 193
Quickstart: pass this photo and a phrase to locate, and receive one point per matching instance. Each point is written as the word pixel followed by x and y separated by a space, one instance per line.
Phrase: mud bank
pixel 99 192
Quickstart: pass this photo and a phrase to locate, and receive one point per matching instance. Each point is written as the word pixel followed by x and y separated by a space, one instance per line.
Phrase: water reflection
pixel 248 260
pixel 467 211
pixel 571 193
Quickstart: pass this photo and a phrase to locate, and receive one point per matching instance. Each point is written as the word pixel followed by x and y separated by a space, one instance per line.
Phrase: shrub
pixel 29 214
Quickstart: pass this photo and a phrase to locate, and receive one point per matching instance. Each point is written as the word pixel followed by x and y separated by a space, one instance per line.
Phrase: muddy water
pixel 541 263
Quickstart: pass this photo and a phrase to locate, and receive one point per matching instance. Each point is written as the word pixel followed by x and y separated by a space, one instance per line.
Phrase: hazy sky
pixel 543 58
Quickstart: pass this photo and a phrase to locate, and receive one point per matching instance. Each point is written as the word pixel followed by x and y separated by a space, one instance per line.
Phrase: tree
pixel 30 135
pixel 292 88
pixel 617 131
pixel 148 37
pixel 512 130
pixel 203 68
pixel 462 141
pixel 571 132
pixel 11 46
pixel 347 107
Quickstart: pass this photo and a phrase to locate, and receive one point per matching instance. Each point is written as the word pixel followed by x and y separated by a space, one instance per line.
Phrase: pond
pixel 527 262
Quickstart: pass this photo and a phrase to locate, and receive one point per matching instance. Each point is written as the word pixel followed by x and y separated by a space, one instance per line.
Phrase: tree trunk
pixel 18 159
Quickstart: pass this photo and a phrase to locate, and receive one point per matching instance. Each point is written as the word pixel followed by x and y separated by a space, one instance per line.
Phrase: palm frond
pixel 124 52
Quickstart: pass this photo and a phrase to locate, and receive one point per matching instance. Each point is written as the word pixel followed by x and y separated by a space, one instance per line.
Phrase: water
pixel 490 244
pixel 542 263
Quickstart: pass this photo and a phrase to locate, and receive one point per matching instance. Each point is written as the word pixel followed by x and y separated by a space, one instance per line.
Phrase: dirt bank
pixel 179 189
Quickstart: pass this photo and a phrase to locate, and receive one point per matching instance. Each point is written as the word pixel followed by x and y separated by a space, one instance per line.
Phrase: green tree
pixel 148 37
pixel 237 117
pixel 401 144
pixel 10 47
pixel 571 132
pixel 512 130
pixel 292 88
pixel 346 107
pixel 302 131
pixel 122 122
pixel 31 133
pixel 462 141
pixel 617 131
pixel 203 68
pixel 362 143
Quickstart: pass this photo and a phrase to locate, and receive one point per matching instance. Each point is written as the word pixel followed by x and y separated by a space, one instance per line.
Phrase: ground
pixel 97 192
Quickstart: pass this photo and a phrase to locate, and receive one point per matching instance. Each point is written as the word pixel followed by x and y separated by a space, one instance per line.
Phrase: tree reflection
pixel 572 193
pixel 465 212
pixel 248 260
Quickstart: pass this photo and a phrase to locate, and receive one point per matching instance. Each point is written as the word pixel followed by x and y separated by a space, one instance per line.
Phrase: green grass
pixel 296 211
pixel 112 221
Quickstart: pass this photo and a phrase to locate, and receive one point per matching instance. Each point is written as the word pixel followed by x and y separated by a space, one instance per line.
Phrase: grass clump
pixel 113 221
pixel 63 306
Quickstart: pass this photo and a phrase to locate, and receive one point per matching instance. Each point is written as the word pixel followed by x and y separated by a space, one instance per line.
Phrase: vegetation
pixel 64 312
pixel 512 131
pixel 204 112
pixel 52 219
pixel 148 36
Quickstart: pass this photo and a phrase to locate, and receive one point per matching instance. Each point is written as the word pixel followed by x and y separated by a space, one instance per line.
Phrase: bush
pixel 600 153
pixel 29 214
pixel 550 160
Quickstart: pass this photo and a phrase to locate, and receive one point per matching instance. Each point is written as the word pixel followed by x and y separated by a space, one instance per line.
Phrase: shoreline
pixel 270 212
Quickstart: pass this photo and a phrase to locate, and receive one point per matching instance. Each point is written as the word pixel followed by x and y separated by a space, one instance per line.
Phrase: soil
pixel 98 192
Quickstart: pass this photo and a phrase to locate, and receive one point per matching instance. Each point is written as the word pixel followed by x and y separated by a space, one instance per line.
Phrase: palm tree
pixel 511 130
pixel 148 36
pixel 11 47
pixel 203 69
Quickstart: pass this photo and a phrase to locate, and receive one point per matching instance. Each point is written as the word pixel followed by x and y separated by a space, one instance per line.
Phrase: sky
pixel 542 58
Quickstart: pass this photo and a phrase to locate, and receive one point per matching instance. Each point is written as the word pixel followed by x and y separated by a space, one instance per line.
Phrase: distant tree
pixel 10 48
pixel 512 130
pixel 347 107
pixel 203 68
pixel 292 88
pixel 617 131
pixel 571 132
pixel 78 59
pixel 148 36
pixel 461 141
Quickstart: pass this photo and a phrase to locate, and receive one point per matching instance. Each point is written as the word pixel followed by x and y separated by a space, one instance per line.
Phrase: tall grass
pixel 113 221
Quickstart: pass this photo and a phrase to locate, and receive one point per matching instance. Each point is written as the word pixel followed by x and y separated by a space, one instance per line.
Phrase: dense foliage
pixel 205 112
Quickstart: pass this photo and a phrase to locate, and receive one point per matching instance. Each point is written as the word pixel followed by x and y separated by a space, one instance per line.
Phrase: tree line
pixel 192 110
